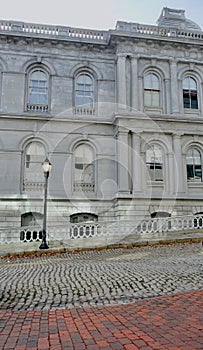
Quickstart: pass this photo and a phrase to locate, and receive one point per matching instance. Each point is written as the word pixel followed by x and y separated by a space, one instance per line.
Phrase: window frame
pixel 89 108
pixel 83 186
pixel 83 217
pixel 155 166
pixel 193 168
pixel 29 184
pixel 152 90
pixel 38 106
pixel 190 94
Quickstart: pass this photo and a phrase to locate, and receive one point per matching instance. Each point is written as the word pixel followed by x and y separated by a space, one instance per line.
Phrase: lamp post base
pixel 43 245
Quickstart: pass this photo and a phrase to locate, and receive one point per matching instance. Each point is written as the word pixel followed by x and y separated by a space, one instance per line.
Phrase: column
pixel 170 176
pixel 122 161
pixel 136 164
pixel 121 81
pixel 167 96
pixel 134 83
pixel 178 168
pixel 140 93
pixel 174 88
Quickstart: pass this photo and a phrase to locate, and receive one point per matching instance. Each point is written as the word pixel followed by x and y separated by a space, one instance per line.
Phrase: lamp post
pixel 46 166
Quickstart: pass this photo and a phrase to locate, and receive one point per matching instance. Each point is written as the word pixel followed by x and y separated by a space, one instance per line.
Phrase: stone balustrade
pixel 109 231
pixel 114 230
pixel 84 187
pixel 80 34
pixel 158 31
pixel 53 31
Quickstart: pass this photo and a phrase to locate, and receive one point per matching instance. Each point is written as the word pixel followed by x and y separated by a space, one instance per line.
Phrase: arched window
pixel 84 90
pixel 83 217
pixel 190 98
pixel 31 219
pixel 198 221
pixel 154 159
pixel 84 94
pixel 194 165
pixel 161 223
pixel 151 90
pixel 84 169
pixel 33 174
pixel 160 214
pixel 37 96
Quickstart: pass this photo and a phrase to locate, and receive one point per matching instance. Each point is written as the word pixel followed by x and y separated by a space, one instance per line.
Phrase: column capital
pixel 137 132
pixel 121 56
pixel 177 135
pixel 121 130
pixel 134 57
pixel 173 61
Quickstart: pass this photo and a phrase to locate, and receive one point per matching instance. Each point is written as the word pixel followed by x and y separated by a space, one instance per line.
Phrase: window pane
pixel 190 173
pixel 155 82
pixel 194 104
pixel 186 100
pixel 198 171
pixel 147 98
pixel 155 99
pixel 147 81
pixel 192 84
pixel 151 81
pixel 186 84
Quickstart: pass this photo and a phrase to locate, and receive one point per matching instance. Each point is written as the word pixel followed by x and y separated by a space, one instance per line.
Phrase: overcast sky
pixel 98 14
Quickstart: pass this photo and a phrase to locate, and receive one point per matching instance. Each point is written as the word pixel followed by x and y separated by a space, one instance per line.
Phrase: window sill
pixel 155 183
pixel 37 108
pixel 33 187
pixel 84 188
pixel 153 110
pixel 191 111
pixel 84 110
pixel 195 183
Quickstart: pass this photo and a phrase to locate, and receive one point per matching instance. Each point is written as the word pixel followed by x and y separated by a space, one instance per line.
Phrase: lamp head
pixel 46 166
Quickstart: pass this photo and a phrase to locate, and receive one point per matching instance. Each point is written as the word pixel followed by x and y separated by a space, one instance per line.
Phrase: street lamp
pixel 46 166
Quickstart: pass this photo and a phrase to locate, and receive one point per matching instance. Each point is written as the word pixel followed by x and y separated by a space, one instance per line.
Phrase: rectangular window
pixel 155 171
pixel 194 172
pixel 190 100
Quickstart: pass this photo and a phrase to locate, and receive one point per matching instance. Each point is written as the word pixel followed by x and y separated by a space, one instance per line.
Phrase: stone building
pixel 119 114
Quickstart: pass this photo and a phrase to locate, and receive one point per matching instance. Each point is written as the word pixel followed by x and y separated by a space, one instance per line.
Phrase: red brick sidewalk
pixel 174 322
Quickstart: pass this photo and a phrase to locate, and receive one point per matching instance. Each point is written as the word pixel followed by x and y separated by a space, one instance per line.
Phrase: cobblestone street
pixel 107 277
pixel 142 298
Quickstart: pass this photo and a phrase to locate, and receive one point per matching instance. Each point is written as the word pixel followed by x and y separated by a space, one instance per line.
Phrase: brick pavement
pixel 168 322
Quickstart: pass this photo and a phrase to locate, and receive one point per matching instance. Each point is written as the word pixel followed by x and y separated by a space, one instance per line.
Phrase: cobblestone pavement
pixel 113 299
pixel 95 278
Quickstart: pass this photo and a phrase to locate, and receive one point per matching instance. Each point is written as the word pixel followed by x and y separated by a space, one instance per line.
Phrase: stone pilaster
pixel 134 83
pixel 121 81
pixel 174 88
pixel 136 164
pixel 123 162
pixel 178 166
